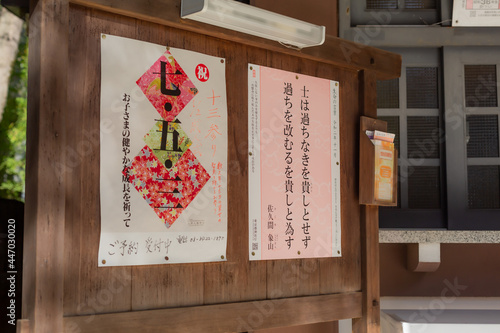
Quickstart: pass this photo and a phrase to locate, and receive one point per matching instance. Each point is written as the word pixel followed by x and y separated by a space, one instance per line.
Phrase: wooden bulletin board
pixel 65 291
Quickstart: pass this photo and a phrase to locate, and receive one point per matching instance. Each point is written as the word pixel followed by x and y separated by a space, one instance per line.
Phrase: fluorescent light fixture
pixel 248 19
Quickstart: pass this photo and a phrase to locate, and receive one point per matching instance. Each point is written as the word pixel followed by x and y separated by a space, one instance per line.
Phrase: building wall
pixel 320 12
pixel 472 269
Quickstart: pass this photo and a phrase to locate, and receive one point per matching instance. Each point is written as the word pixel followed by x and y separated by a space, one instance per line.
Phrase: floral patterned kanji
pixel 168 192
pixel 167 87
pixel 174 140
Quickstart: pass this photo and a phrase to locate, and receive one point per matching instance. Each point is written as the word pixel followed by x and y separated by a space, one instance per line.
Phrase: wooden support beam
pixel 22 326
pixel 231 317
pixel 336 51
pixel 370 321
pixel 45 195
pixel 370 281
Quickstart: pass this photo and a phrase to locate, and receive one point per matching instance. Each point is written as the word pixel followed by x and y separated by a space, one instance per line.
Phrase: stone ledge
pixel 438 236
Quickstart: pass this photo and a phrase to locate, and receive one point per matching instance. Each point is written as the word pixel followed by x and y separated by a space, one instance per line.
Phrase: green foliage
pixel 13 128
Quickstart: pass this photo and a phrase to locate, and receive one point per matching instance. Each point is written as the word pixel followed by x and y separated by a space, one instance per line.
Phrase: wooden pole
pixel 370 280
pixel 45 196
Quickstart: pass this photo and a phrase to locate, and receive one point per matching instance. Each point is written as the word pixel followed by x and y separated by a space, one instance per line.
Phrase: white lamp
pixel 248 19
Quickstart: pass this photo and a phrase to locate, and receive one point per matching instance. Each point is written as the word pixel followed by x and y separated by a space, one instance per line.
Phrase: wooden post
pixel 22 326
pixel 370 281
pixel 45 196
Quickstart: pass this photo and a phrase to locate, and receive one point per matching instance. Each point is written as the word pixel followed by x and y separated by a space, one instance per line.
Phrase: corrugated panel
pixel 424 188
pixel 393 127
pixel 420 4
pixel 480 85
pixel 483 186
pixel 388 94
pixel 381 4
pixel 483 136
pixel 423 137
pixel 422 88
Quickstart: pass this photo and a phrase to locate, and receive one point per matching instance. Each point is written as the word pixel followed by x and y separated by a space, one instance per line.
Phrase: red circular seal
pixel 202 73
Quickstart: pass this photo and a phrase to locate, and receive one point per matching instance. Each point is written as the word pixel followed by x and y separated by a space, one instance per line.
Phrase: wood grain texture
pixel 334 51
pixel 151 287
pixel 147 287
pixel 237 279
pixel 329 327
pixel 370 321
pixel 231 317
pixel 367 159
pixel 344 273
pixel 72 138
pixel 45 195
pixel 22 326
pixel 88 289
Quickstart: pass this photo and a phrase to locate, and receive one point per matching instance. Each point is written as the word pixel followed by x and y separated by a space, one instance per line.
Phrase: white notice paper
pixel 163 155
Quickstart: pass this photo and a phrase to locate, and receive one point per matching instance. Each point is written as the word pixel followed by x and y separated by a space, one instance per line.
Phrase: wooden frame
pixel 63 288
pixel 370 321
pixel 46 139
pixel 226 317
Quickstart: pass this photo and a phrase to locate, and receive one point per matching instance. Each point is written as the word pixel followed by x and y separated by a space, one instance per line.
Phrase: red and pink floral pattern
pixel 176 82
pixel 168 192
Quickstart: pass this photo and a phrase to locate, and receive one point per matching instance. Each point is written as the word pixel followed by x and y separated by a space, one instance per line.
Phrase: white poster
pixel 476 13
pixel 163 155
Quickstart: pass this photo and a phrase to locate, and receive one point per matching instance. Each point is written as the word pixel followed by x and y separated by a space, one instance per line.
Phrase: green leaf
pixel 13 127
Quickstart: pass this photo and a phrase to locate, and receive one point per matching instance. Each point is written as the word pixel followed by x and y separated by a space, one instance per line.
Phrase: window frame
pixel 361 15
pixel 404 216
pixel 460 215
pixel 382 32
